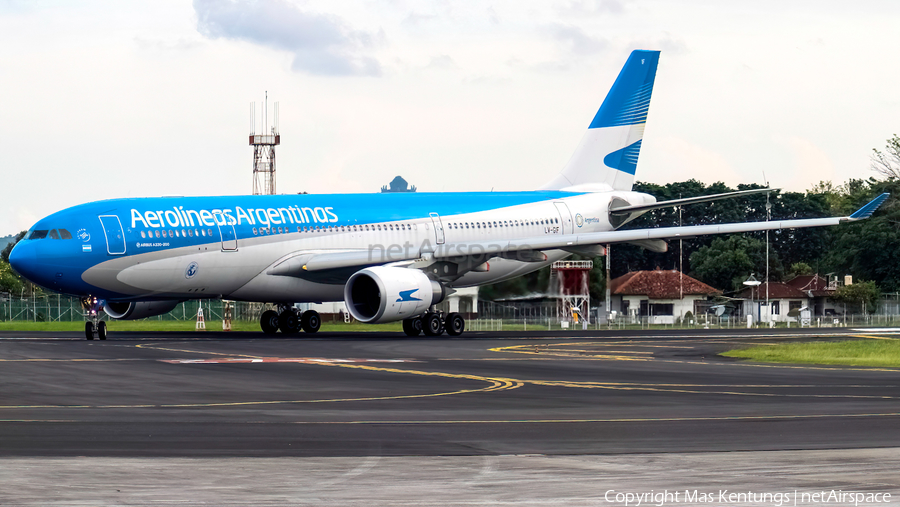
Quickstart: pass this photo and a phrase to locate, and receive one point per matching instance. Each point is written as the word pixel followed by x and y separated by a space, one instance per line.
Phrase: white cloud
pixel 573 39
pixel 321 43
pixel 109 99
pixel 674 158
pixel 810 165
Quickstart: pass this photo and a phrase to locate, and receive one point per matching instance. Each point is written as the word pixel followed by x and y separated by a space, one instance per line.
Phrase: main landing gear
pixel 434 324
pixel 95 326
pixel 289 320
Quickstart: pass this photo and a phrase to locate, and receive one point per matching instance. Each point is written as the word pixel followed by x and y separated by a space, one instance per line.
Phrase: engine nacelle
pixel 138 310
pixel 382 294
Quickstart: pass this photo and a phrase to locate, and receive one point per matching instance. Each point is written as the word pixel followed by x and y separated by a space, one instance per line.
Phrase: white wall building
pixel 658 296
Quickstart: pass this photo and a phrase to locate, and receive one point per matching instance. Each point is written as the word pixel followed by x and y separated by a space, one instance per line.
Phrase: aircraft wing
pixel 640 208
pixel 527 247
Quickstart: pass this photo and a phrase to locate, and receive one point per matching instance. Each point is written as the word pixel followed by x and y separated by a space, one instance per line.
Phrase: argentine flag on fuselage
pixel 606 158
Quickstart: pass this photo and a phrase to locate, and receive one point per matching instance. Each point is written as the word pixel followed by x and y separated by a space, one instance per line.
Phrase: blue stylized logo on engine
pixel 406 295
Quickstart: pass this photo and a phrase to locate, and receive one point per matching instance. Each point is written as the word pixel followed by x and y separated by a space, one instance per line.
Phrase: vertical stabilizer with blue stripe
pixel 608 153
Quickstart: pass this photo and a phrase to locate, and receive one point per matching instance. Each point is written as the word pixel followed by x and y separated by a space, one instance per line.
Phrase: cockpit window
pixel 38 234
pixel 64 234
pixel 54 234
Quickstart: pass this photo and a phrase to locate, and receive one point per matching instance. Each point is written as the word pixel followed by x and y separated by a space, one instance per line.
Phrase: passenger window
pixel 54 234
pixel 143 234
pixel 38 234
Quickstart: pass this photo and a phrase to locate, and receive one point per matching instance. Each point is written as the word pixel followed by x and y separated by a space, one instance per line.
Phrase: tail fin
pixel 609 150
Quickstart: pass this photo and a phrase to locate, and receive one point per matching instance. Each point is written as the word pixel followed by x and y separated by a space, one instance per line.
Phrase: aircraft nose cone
pixel 23 260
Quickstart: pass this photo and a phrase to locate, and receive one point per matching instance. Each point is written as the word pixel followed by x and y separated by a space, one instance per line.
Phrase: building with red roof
pixel 659 295
pixel 781 296
pixel 819 291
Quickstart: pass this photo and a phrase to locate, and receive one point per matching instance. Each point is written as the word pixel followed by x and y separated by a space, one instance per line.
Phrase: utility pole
pixel 608 301
pixel 768 217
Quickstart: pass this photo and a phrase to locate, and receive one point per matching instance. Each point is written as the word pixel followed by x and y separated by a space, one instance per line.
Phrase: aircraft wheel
pixel 268 321
pixel 89 330
pixel 310 321
pixel 432 324
pixel 455 324
pixel 413 326
pixel 101 330
pixel 289 322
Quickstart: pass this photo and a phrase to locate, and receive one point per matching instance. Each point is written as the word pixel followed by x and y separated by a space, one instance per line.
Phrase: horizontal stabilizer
pixel 640 208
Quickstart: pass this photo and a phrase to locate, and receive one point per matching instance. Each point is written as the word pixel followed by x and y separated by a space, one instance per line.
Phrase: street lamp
pixel 752 282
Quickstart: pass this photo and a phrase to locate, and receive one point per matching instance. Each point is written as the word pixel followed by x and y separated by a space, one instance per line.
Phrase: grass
pixel 182 325
pixel 846 353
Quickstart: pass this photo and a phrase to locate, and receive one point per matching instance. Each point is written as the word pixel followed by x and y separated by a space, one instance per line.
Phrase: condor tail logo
pixel 614 136
pixel 407 295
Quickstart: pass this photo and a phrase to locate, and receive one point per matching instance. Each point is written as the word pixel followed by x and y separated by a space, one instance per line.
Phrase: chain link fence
pixel 490 317
pixel 56 308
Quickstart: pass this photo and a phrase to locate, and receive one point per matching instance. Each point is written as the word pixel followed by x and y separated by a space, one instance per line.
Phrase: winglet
pixel 867 210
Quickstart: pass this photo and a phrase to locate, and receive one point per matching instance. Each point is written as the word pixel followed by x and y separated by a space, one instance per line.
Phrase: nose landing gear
pixel 94 327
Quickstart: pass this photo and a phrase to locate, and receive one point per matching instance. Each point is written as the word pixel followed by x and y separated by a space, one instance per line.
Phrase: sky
pixel 107 99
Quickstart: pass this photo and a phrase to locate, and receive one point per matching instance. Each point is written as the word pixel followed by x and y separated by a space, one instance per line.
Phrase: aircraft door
pixel 438 228
pixel 115 237
pixel 565 216
pixel 228 234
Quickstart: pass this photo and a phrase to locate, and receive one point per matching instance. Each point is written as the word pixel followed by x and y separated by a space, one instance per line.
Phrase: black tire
pixel 310 321
pixel 289 322
pixel 455 324
pixel 101 330
pixel 432 324
pixel 268 321
pixel 413 326
pixel 89 330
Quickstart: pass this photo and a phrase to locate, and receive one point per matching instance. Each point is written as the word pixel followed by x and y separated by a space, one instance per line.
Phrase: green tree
pixel 4 255
pixel 869 249
pixel 798 269
pixel 727 262
pixel 861 296
pixel 9 280
pixel 887 163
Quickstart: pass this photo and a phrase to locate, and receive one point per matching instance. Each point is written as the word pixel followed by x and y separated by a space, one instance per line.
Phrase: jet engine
pixel 138 310
pixel 384 294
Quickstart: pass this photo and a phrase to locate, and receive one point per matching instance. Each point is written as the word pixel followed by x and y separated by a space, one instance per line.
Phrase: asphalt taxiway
pixel 382 394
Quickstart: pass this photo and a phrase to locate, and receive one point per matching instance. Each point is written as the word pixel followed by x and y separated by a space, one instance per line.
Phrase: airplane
pixel 388 256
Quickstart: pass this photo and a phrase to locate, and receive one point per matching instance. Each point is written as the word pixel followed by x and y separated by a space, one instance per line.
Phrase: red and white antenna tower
pixel 264 142
pixel 572 288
